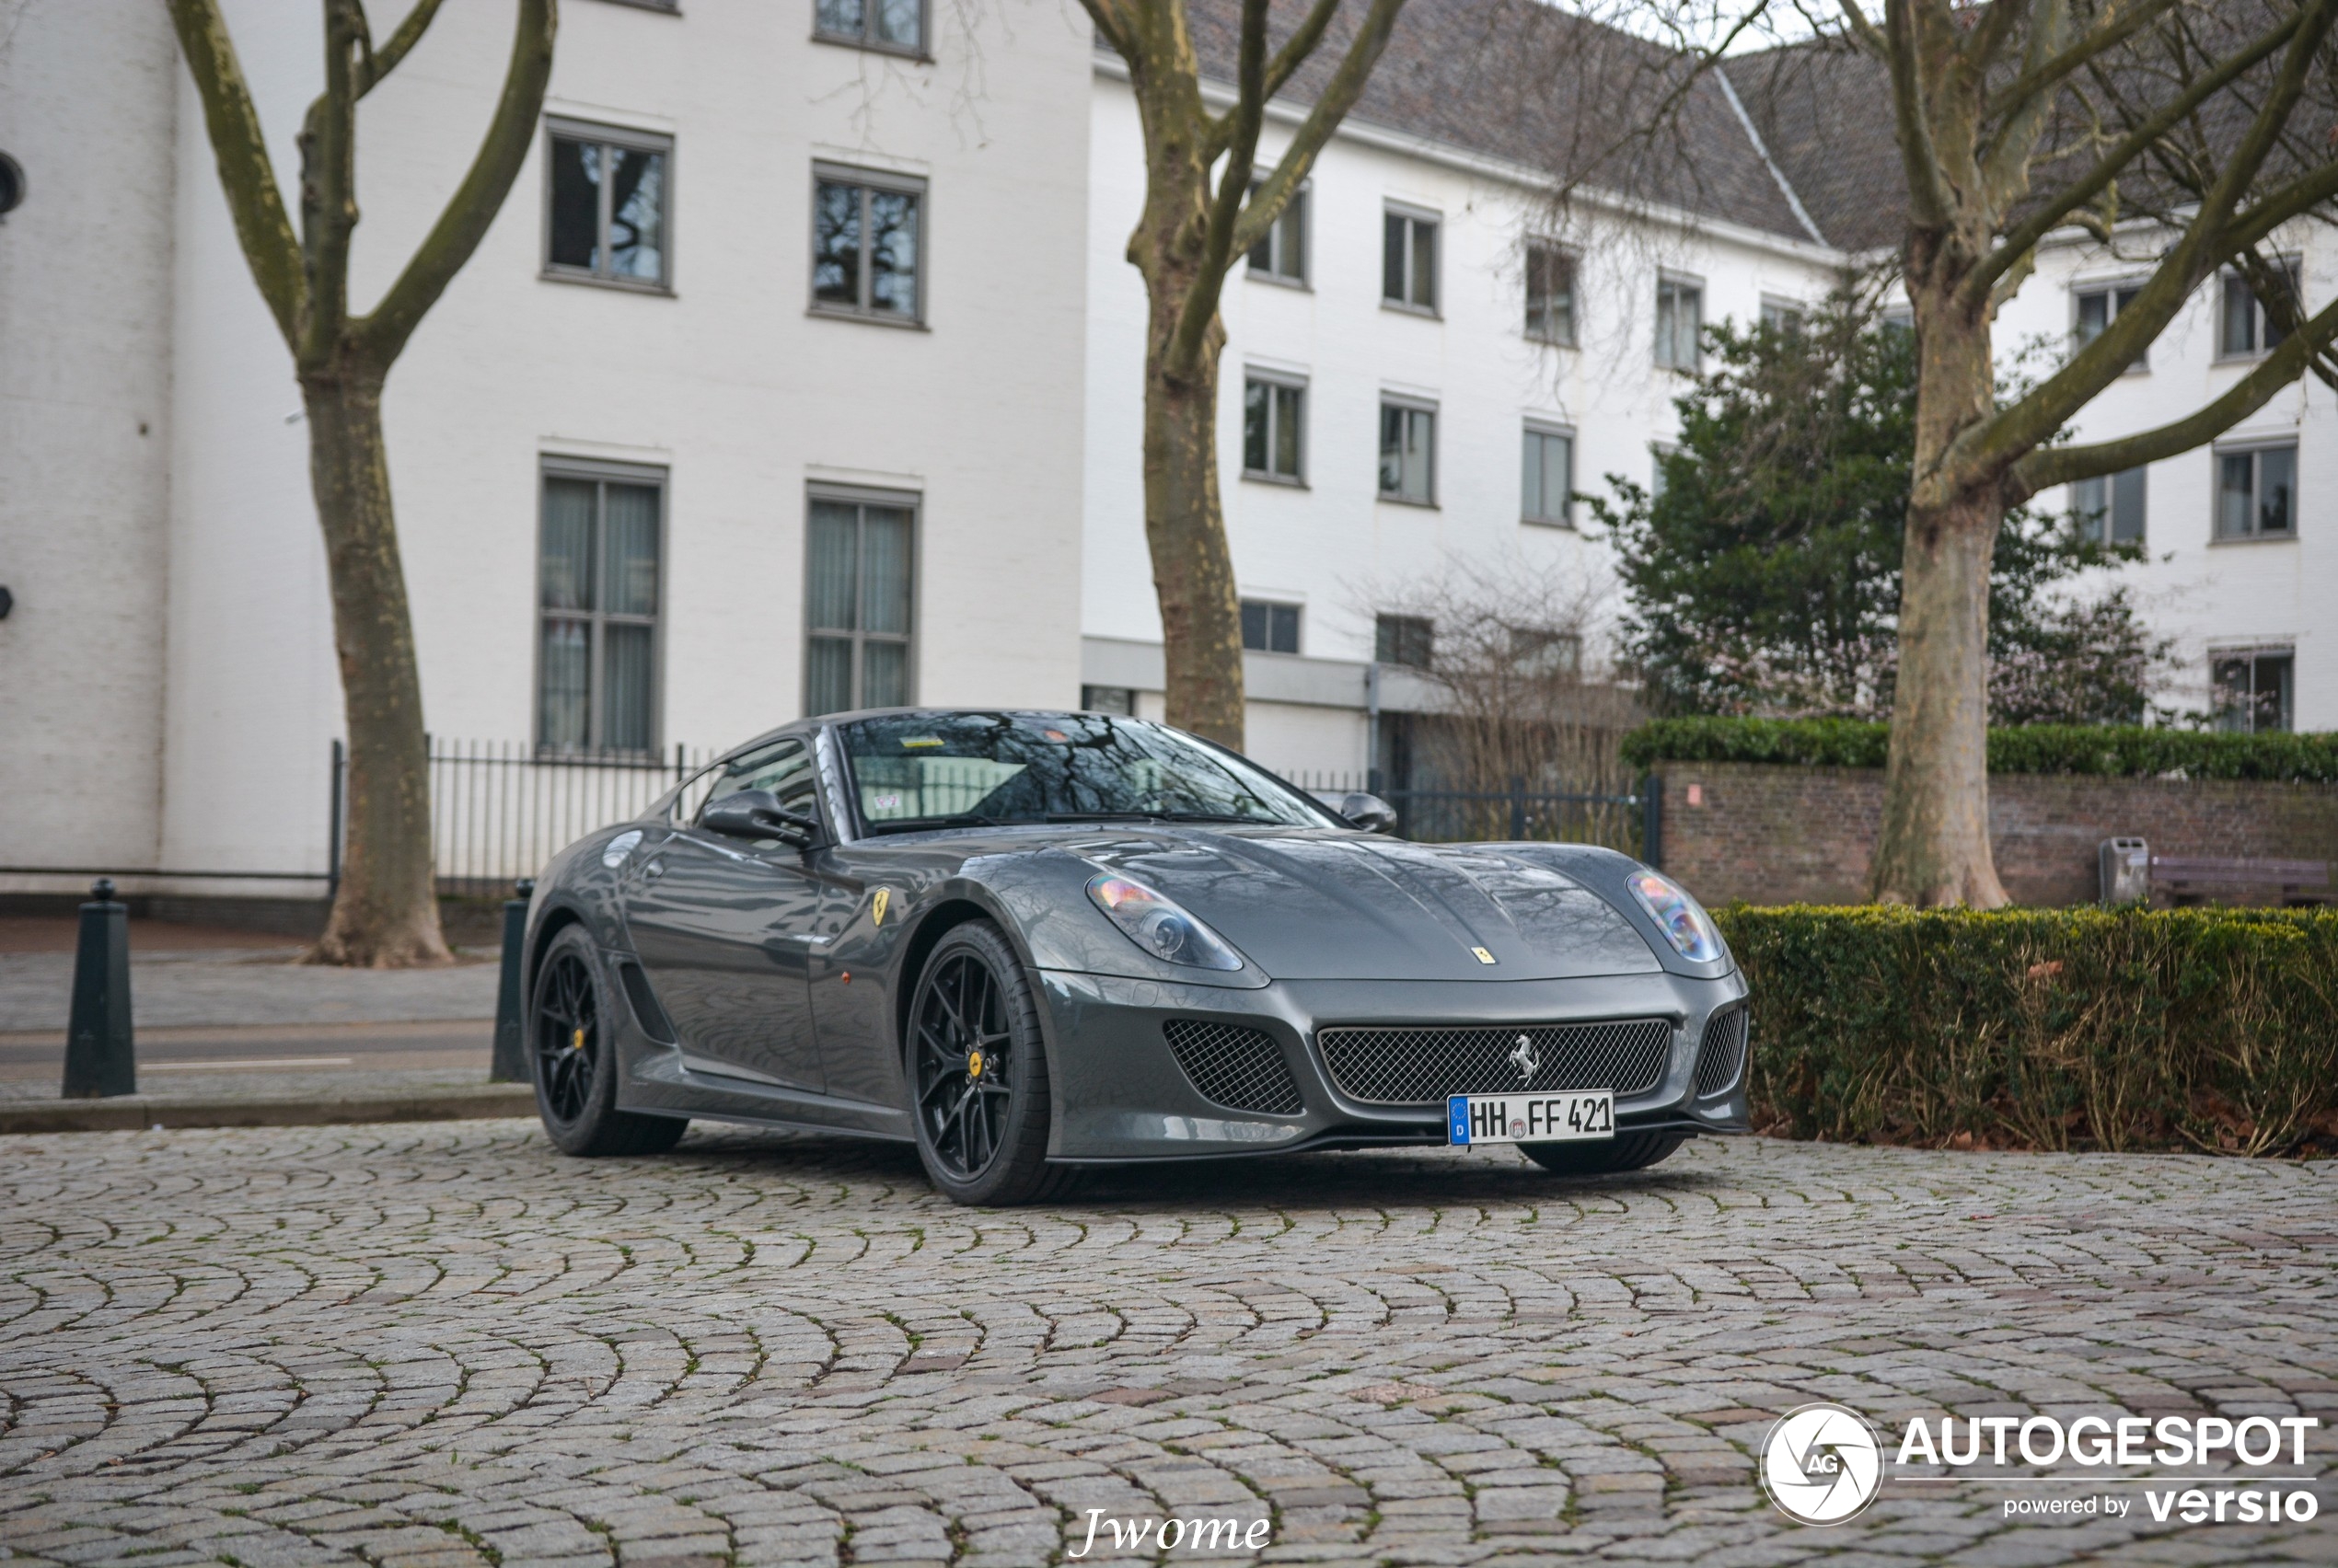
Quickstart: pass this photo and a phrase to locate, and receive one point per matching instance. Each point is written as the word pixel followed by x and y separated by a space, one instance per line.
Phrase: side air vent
pixel 1240 1068
pixel 653 1019
pixel 1721 1061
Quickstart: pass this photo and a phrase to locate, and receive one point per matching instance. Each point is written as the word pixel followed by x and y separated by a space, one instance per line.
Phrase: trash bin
pixel 2126 872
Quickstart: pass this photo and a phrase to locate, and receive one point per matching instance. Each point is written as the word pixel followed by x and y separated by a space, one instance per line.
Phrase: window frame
pixel 563 128
pixel 2120 291
pixel 1411 405
pixel 1792 314
pixel 866 179
pixel 1677 281
pixel 1298 626
pixel 553 465
pixel 2228 279
pixel 2254 451
pixel 1301 204
pixel 2255 653
pixel 1414 216
pixel 1391 627
pixel 866 39
pixel 912 501
pixel 2102 527
pixel 1573 258
pixel 1534 428
pixel 1289 381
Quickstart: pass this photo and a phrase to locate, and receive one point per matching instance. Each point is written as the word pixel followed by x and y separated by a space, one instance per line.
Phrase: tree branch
pixel 1114 26
pixel 472 209
pixel 329 186
pixel 381 62
pixel 1927 197
pixel 1339 96
pixel 2051 465
pixel 2034 82
pixel 2054 213
pixel 2289 201
pixel 1249 111
pixel 263 229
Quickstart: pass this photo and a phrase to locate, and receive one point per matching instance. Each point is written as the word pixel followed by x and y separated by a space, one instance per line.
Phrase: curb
pixel 138 1112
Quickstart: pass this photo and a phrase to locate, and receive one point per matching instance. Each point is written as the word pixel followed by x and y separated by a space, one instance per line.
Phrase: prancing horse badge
pixel 876 910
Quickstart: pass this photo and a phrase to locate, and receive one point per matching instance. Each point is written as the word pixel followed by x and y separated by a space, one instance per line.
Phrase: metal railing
pixel 500 809
pixel 1632 823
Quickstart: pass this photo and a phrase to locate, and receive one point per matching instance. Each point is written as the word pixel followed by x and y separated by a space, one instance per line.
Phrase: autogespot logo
pixel 1822 1464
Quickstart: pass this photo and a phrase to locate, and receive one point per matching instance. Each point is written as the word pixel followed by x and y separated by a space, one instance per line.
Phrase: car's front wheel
pixel 978 1071
pixel 573 1047
pixel 1626 1151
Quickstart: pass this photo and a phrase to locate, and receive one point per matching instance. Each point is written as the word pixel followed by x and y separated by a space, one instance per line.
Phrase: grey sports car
pixel 1032 941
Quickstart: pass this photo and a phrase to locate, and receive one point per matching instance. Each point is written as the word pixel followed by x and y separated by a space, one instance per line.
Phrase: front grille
pixel 1419 1067
pixel 1722 1056
pixel 1240 1068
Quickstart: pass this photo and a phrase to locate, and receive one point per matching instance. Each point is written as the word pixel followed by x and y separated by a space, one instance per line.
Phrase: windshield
pixel 923 771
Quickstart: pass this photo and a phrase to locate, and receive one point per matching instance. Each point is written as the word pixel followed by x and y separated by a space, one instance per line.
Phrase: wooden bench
pixel 2194 877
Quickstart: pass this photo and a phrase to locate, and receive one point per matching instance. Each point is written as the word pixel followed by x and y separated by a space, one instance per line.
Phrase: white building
pixel 859 291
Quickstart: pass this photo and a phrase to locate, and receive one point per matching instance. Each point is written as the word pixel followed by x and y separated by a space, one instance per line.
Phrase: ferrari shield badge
pixel 876 909
pixel 1482 955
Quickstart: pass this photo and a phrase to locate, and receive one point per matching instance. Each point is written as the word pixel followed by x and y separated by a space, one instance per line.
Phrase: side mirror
pixel 1368 811
pixel 757 814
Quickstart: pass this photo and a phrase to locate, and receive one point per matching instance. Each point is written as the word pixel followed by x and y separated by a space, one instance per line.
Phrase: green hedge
pixel 2131 750
pixel 2130 1028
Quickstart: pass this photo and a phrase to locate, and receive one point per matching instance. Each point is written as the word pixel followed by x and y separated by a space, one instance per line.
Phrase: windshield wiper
pixel 1148 816
pixel 921 824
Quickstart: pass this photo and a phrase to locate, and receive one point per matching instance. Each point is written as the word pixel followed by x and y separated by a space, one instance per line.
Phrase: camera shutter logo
pixel 1822 1464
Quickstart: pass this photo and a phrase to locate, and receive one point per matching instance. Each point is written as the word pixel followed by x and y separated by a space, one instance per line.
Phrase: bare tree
pixel 386 912
pixel 2015 120
pixel 1200 216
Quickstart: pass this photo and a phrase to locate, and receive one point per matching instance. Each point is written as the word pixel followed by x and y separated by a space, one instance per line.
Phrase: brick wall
pixel 1781 834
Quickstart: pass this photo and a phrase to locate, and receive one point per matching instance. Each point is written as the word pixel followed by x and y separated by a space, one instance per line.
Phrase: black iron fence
pixel 1632 823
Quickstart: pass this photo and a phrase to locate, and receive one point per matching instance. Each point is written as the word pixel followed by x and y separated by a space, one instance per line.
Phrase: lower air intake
pixel 1721 1059
pixel 1419 1066
pixel 1240 1068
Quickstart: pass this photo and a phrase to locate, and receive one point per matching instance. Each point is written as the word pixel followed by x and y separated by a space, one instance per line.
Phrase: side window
pixel 608 218
pixel 783 767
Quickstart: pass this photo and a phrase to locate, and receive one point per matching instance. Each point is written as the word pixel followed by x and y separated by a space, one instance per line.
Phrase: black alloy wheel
pixel 572 1040
pixel 980 1073
pixel 568 1036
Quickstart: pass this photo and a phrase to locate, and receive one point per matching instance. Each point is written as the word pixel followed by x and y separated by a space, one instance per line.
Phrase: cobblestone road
pixel 445 1345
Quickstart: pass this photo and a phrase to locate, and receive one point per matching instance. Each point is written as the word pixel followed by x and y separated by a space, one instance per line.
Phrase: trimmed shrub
pixel 2117 1029
pixel 2120 750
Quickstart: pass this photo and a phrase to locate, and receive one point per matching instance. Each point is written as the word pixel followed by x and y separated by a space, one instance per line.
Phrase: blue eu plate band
pixel 1457 1118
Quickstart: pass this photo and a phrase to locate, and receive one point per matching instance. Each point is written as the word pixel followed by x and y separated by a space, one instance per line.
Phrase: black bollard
pixel 510 1062
pixel 100 1057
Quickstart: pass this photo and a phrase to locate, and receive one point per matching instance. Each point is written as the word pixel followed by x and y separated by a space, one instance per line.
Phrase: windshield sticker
pixel 886 802
pixel 922 743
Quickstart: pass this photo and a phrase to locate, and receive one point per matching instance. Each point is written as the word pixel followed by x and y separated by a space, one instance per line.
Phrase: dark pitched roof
pixel 1824 111
pixel 1523 82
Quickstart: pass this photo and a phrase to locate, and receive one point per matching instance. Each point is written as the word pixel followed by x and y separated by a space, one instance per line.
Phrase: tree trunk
pixel 1934 846
pixel 387 913
pixel 1193 569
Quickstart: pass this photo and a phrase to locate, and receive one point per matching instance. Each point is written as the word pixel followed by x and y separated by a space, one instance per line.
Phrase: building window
pixel 860 598
pixel 2255 690
pixel 1537 651
pixel 2093 310
pixel 2256 493
pixel 1550 293
pixel 609 206
pixel 1408 261
pixel 1549 488
pixel 1274 427
pixel 2110 509
pixel 1270 627
pixel 2243 327
pixel 895 25
pixel 1403 639
pixel 1680 314
pixel 868 244
pixel 1782 316
pixel 598 552
pixel 1407 452
pixel 1281 256
pixel 1121 700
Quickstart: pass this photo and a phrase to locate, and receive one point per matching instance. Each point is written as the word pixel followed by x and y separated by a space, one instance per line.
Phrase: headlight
pixel 1686 925
pixel 1158 926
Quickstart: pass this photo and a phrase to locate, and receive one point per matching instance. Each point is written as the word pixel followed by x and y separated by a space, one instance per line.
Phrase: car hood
pixel 1350 908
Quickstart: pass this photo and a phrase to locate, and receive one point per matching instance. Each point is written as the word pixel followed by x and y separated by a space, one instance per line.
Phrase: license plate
pixel 1530 1118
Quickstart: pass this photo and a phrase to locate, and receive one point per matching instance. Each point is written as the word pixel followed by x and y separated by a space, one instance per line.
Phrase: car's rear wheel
pixel 1626 1151
pixel 979 1072
pixel 573 1047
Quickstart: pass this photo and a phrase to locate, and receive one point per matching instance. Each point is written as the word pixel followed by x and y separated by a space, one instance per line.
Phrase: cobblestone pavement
pixel 444 1344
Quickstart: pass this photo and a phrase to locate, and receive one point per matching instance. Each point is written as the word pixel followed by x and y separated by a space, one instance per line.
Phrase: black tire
pixel 978 1073
pixel 573 1058
pixel 1625 1151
